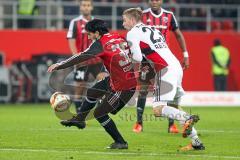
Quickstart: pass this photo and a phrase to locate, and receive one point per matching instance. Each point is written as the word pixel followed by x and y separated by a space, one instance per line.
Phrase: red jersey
pixel 116 58
pixel 114 52
pixel 77 31
pixel 165 21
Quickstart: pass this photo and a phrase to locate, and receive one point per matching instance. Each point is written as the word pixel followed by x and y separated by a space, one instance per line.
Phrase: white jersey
pixel 147 41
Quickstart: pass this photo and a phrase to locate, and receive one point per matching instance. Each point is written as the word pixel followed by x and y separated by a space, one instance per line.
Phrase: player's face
pixel 86 8
pixel 127 22
pixel 93 36
pixel 155 4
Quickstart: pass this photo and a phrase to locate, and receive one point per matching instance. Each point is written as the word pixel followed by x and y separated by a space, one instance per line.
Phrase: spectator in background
pixel 220 65
pixel 79 41
pixel 26 8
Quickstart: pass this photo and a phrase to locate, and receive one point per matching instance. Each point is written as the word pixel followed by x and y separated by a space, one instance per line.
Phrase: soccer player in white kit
pixel 147 43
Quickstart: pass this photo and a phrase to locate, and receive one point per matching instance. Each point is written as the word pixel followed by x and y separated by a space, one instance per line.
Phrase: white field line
pixel 101 129
pixel 164 154
pixel 219 131
pixel 118 153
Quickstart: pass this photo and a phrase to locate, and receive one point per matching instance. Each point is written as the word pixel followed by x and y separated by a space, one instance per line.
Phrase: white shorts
pixel 168 86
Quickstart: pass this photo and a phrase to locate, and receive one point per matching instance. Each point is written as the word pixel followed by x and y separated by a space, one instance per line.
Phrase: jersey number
pixel 123 50
pixel 152 29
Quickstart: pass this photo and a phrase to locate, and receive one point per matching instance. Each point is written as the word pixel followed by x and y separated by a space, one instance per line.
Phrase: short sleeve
pixel 174 23
pixel 134 42
pixel 72 30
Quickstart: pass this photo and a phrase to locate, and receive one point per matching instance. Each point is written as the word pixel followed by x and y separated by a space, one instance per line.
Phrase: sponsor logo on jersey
pixel 165 19
pixel 160 27
pixel 149 20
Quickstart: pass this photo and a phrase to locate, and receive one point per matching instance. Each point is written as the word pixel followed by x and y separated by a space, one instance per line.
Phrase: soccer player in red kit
pixel 115 90
pixel 165 22
pixel 78 41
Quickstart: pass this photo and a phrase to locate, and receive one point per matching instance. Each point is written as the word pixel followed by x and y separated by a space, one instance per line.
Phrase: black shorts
pixel 147 73
pixel 112 101
pixel 85 72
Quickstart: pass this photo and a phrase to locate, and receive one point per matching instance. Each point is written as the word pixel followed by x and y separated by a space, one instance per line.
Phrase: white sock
pixel 174 113
pixel 194 137
pixel 196 141
pixel 181 116
pixel 194 132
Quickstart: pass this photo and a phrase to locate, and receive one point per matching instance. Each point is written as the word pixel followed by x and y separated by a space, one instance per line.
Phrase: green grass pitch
pixel 32 132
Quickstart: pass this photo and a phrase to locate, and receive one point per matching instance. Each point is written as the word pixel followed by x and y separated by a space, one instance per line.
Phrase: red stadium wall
pixel 199 44
pixel 21 45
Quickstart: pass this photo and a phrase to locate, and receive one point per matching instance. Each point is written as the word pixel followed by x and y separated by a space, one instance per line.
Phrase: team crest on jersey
pixel 83 28
pixel 165 19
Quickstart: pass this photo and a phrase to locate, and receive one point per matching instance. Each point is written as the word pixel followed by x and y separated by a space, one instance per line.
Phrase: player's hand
pixel 185 63
pixel 53 67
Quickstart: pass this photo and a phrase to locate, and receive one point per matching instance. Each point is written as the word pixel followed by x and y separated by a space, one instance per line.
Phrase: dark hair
pixel 217 42
pixel 97 25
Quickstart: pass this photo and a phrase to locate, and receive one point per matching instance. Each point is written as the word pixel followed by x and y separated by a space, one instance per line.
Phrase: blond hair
pixel 135 13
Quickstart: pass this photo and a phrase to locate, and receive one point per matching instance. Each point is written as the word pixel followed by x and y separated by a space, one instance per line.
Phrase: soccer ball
pixel 60 102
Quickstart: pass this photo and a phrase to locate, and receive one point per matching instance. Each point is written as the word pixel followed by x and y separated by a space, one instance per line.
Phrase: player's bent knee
pixel 157 111
pixel 118 108
pixel 143 93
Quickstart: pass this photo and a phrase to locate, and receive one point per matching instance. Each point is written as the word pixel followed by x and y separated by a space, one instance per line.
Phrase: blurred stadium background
pixel 27 50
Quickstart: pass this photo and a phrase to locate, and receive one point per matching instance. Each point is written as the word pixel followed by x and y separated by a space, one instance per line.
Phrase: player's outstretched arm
pixel 89 53
pixel 75 59
pixel 52 67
